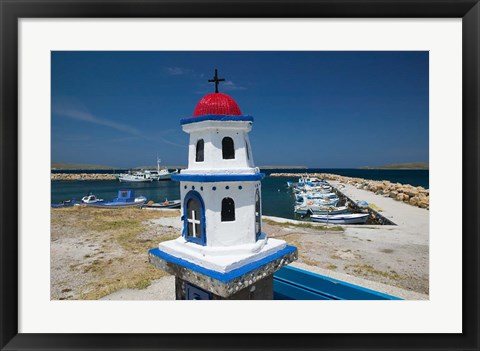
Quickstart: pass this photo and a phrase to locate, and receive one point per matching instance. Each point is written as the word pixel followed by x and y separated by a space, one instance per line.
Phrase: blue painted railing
pixel 290 283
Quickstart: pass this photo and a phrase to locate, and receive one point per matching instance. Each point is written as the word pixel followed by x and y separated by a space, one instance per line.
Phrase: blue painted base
pixel 223 277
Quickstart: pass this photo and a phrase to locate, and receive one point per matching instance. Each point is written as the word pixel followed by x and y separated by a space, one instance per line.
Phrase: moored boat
pixel 136 177
pixel 126 198
pixel 66 203
pixel 147 175
pixel 90 199
pixel 163 205
pixel 320 210
pixel 348 218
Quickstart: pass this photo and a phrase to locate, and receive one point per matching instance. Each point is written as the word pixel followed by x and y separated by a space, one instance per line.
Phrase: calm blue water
pixel 277 200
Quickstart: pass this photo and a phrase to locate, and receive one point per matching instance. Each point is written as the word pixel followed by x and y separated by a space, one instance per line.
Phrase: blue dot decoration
pixel 214 188
pixel 185 187
pixel 193 187
pixel 227 187
pixel 240 187
pixel 201 188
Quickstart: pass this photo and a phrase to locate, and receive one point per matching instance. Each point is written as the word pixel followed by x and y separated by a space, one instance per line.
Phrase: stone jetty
pixel 82 176
pixel 413 195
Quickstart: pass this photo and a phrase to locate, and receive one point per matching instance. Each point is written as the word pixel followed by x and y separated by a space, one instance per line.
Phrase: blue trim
pixel 223 277
pixel 203 239
pixel 211 178
pixel 291 283
pixel 220 118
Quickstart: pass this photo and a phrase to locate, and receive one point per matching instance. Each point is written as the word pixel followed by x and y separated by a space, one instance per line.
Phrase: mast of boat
pixel 158 165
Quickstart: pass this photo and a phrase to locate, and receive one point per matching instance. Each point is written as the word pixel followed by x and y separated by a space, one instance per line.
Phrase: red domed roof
pixel 217 104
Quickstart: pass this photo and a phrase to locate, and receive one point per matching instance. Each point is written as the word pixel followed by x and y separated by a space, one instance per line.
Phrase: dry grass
pixel 367 270
pixel 116 242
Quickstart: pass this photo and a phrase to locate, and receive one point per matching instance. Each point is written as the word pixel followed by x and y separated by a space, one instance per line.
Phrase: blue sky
pixel 315 109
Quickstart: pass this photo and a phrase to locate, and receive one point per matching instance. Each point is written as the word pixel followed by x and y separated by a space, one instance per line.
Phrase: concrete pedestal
pixel 253 281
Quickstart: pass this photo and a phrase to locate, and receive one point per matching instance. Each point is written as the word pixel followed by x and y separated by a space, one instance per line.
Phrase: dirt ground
pixel 369 252
pixel 95 252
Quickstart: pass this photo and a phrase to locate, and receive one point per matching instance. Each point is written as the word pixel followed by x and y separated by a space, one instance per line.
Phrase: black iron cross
pixel 216 80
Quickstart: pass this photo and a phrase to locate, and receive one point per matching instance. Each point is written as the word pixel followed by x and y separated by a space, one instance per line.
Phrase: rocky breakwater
pixel 415 196
pixel 82 176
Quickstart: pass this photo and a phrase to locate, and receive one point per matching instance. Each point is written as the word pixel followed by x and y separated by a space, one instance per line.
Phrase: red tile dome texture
pixel 217 104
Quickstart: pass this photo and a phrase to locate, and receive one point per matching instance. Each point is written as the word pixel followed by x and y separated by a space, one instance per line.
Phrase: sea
pixel 277 199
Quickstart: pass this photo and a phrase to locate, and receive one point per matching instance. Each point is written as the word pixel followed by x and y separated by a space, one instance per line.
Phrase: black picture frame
pixel 12 11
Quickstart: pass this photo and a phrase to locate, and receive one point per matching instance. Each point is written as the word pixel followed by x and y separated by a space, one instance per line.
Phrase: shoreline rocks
pixel 82 176
pixel 413 195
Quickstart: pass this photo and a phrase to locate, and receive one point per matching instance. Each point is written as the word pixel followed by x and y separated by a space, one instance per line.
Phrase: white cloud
pixel 131 131
pixel 176 71
pixel 229 86
pixel 88 117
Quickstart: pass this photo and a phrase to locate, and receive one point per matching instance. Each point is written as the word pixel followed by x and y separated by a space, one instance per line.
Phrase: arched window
pixel 228 150
pixel 194 218
pixel 228 210
pixel 199 151
pixel 258 214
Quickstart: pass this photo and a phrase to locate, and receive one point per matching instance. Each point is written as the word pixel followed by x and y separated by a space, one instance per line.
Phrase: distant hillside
pixel 65 165
pixel 413 165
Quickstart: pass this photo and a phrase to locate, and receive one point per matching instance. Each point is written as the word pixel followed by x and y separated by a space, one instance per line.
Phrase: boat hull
pixel 169 205
pixel 356 218
pixel 321 210
pixel 133 180
pixel 114 204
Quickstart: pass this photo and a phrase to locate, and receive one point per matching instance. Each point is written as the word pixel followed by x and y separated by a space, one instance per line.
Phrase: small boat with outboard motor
pixel 125 198
pixel 66 203
pixel 347 218
pixel 162 205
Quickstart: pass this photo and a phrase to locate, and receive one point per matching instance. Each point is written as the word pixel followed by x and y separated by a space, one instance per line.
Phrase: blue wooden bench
pixel 290 283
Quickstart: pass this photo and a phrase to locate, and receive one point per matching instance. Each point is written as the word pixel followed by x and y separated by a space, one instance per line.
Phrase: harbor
pixel 393 259
pixel 240 233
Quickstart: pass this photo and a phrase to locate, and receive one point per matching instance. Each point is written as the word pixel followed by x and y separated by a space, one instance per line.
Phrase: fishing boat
pixel 348 218
pixel 90 199
pixel 147 175
pixel 136 177
pixel 163 205
pixel 302 201
pixel 126 198
pixel 66 203
pixel 306 181
pixel 161 174
pixel 320 210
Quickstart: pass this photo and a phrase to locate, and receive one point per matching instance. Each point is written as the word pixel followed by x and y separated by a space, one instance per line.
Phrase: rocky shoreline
pixel 415 196
pixel 82 176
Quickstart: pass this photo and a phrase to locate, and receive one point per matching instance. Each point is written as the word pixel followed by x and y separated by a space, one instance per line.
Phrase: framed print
pixel 74 74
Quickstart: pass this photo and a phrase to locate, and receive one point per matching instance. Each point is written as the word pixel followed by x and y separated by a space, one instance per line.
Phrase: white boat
pixel 163 205
pixel 90 199
pixel 125 198
pixel 348 218
pixel 137 177
pixel 320 210
pixel 147 175
pixel 306 181
pixel 300 200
